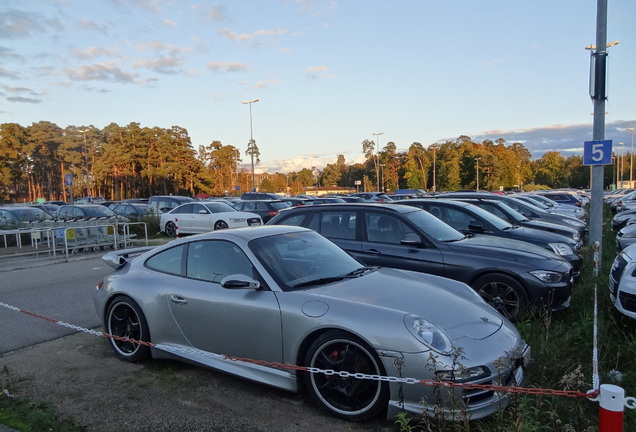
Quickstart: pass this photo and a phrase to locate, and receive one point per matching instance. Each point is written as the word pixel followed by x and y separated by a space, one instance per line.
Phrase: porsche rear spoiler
pixel 118 258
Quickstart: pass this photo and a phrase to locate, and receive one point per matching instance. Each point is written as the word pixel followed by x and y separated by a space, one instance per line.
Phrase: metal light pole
pixel 631 161
pixel 598 94
pixel 88 177
pixel 434 146
pixel 478 159
pixel 252 144
pixel 377 157
pixel 382 177
pixel 621 167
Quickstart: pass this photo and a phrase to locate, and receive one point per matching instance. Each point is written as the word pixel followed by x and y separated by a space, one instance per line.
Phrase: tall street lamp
pixel 88 177
pixel 377 157
pixel 251 147
pixel 478 159
pixel 631 161
pixel 434 146
pixel 621 165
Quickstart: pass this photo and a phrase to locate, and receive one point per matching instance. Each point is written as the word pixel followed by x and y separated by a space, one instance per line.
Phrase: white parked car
pixel 622 281
pixel 205 216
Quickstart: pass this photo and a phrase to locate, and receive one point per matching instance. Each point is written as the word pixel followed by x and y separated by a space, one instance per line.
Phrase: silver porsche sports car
pixel 284 306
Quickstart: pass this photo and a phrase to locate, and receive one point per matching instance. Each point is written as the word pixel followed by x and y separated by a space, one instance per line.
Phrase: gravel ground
pixel 80 376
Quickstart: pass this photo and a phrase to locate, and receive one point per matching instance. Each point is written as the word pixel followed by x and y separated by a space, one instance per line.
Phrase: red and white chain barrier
pixel 611 398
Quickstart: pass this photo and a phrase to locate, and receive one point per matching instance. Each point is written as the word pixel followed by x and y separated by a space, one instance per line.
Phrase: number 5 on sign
pixel 597 152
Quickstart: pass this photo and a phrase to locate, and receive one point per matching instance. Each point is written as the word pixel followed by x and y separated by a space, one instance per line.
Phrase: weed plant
pixel 562 350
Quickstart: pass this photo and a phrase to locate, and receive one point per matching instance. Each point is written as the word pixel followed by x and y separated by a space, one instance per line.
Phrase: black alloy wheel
pixel 503 293
pixel 126 323
pixel 220 224
pixel 170 229
pixel 351 398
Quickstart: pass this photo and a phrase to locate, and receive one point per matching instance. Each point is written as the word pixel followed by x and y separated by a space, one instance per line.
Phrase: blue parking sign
pixel 68 179
pixel 597 152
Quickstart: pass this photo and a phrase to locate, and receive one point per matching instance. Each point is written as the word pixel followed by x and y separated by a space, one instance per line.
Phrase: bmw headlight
pixel 574 222
pixel 547 276
pixel 561 249
pixel 237 220
pixel 428 333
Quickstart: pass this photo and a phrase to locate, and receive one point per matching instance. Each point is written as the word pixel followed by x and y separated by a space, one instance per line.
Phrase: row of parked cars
pixel 622 279
pixel 352 287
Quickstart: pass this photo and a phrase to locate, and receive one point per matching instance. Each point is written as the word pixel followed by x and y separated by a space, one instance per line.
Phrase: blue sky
pixel 328 73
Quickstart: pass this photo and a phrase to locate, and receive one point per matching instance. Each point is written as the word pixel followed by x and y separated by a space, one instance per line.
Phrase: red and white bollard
pixel 176 227
pixel 612 404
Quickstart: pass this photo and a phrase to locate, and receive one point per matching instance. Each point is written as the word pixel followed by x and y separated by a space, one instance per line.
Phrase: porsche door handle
pixel 179 299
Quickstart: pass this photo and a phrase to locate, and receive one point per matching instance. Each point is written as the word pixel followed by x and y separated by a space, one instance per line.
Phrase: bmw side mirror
pixel 411 239
pixel 476 226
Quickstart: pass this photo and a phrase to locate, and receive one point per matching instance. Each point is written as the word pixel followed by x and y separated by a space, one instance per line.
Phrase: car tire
pixel 220 224
pixel 126 322
pixel 350 398
pixel 170 229
pixel 503 293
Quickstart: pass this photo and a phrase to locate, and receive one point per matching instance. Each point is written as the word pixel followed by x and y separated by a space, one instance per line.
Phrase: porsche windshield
pixel 298 259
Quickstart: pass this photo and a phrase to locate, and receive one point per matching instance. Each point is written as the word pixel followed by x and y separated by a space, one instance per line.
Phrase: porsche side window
pixel 214 260
pixel 169 261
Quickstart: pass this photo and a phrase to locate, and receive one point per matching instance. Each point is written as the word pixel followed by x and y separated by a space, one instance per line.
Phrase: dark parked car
pixel 509 274
pixel 562 197
pixel 625 237
pixel 500 209
pixel 622 219
pixel 352 199
pixel 168 202
pixel 528 210
pixel 266 209
pixel 49 208
pixel 551 206
pixel 135 211
pixel 261 196
pixel 470 219
pixel 326 200
pixel 87 211
pixel 15 217
pixel 372 196
pixel 293 202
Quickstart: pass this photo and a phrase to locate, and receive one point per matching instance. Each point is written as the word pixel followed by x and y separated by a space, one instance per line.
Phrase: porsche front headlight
pixel 428 333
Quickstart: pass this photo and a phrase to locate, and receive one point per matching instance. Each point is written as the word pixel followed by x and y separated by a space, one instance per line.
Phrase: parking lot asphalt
pixel 13 258
pixel 22 261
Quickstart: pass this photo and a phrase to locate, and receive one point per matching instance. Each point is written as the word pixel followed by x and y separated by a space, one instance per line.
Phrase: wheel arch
pixel 303 348
pixel 112 299
pixel 494 272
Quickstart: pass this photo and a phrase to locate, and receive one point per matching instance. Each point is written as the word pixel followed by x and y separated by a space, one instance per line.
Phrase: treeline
pixel 119 162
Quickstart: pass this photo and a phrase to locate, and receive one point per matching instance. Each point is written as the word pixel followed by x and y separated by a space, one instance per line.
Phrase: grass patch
pixel 27 416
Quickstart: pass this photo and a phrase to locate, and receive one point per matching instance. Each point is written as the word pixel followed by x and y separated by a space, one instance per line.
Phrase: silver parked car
pixel 289 308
